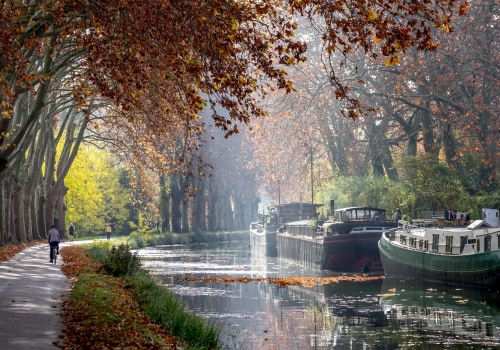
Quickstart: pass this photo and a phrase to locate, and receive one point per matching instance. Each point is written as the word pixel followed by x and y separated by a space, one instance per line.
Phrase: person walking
pixel 72 231
pixel 108 231
pixel 397 215
pixel 53 238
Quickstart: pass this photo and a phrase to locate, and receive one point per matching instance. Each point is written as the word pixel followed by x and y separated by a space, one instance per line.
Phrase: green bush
pixel 121 261
pixel 99 251
pixel 153 240
pixel 137 240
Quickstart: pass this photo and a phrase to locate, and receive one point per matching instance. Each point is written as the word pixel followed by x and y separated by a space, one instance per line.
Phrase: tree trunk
pixel 185 213
pixel 177 196
pixel 227 218
pixel 199 222
pixel 430 147
pixel 5 204
pixel 16 232
pixel 164 205
pixel 212 206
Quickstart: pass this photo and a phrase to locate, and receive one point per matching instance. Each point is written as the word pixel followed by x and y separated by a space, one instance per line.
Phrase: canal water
pixel 231 285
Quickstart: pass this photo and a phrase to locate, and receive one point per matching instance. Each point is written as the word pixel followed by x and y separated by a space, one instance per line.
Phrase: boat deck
pixel 456 240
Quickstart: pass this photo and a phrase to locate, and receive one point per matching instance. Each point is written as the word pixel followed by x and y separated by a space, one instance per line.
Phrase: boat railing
pixel 425 222
pixel 410 225
pixel 391 234
pixel 451 218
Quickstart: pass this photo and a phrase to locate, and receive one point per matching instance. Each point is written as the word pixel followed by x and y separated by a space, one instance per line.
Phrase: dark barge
pixel 349 243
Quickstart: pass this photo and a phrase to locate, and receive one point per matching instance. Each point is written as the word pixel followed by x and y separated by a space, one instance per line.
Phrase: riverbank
pixel 115 304
pixel 90 307
pixel 101 311
pixel 141 240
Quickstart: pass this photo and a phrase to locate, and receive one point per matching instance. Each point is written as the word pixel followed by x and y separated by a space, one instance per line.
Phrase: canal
pixel 233 286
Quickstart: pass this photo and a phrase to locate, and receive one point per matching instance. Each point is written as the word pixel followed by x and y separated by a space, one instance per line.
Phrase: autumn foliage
pixel 183 54
pixel 104 314
pixel 8 251
pixel 282 282
pixel 140 75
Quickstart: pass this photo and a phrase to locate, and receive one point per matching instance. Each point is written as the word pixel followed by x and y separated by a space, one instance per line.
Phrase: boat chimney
pixel 490 216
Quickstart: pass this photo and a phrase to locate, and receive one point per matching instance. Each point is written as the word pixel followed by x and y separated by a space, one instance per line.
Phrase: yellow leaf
pixel 392 60
pixel 234 25
pixel 371 15
pixel 446 27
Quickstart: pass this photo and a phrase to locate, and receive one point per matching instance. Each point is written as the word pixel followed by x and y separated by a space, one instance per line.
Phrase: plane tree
pixel 443 104
pixel 185 55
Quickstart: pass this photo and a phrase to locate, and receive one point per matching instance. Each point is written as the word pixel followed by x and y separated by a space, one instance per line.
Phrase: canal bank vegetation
pixel 424 184
pixel 114 303
pixel 147 238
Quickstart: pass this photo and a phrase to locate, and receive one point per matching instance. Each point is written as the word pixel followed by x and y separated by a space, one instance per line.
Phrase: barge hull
pixel 474 270
pixel 306 250
pixel 352 252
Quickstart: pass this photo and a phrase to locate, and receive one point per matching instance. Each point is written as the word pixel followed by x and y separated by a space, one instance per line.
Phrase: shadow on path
pixel 31 292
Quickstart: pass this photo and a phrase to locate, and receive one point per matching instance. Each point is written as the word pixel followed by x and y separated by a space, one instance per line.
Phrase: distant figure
pixel 53 238
pixel 397 215
pixel 108 232
pixel 72 231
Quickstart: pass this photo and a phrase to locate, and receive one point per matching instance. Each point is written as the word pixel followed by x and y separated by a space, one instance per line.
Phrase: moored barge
pixel 350 241
pixel 347 244
pixel 468 255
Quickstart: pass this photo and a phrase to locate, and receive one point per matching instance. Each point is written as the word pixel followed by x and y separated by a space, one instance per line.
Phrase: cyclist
pixel 53 239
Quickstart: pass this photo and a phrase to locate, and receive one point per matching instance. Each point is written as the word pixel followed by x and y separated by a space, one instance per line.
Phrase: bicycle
pixel 54 250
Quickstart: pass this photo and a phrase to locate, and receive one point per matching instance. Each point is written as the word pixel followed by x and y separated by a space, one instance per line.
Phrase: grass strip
pixel 126 312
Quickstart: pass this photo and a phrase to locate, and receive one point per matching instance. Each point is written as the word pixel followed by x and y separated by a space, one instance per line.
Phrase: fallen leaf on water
pixel 282 282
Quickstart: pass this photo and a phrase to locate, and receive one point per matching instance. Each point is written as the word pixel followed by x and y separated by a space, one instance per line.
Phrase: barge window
pixel 475 244
pixel 348 215
pixel 487 243
pixel 463 241
pixel 435 242
pixel 402 239
pixel 449 244
pixel 413 242
pixel 426 245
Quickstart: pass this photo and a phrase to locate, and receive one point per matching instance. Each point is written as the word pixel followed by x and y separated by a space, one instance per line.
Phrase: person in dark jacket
pixel 397 215
pixel 53 238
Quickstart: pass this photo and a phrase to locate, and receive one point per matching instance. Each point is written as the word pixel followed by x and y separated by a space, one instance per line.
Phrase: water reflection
pixel 436 314
pixel 381 314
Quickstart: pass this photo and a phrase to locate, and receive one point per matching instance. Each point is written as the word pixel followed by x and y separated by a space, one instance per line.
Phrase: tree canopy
pixel 160 56
pixel 442 104
pixel 139 75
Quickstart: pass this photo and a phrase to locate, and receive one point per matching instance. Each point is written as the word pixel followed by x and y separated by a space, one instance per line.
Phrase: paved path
pixel 31 292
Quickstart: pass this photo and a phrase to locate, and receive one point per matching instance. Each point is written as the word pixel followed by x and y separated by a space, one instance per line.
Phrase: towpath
pixel 31 294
